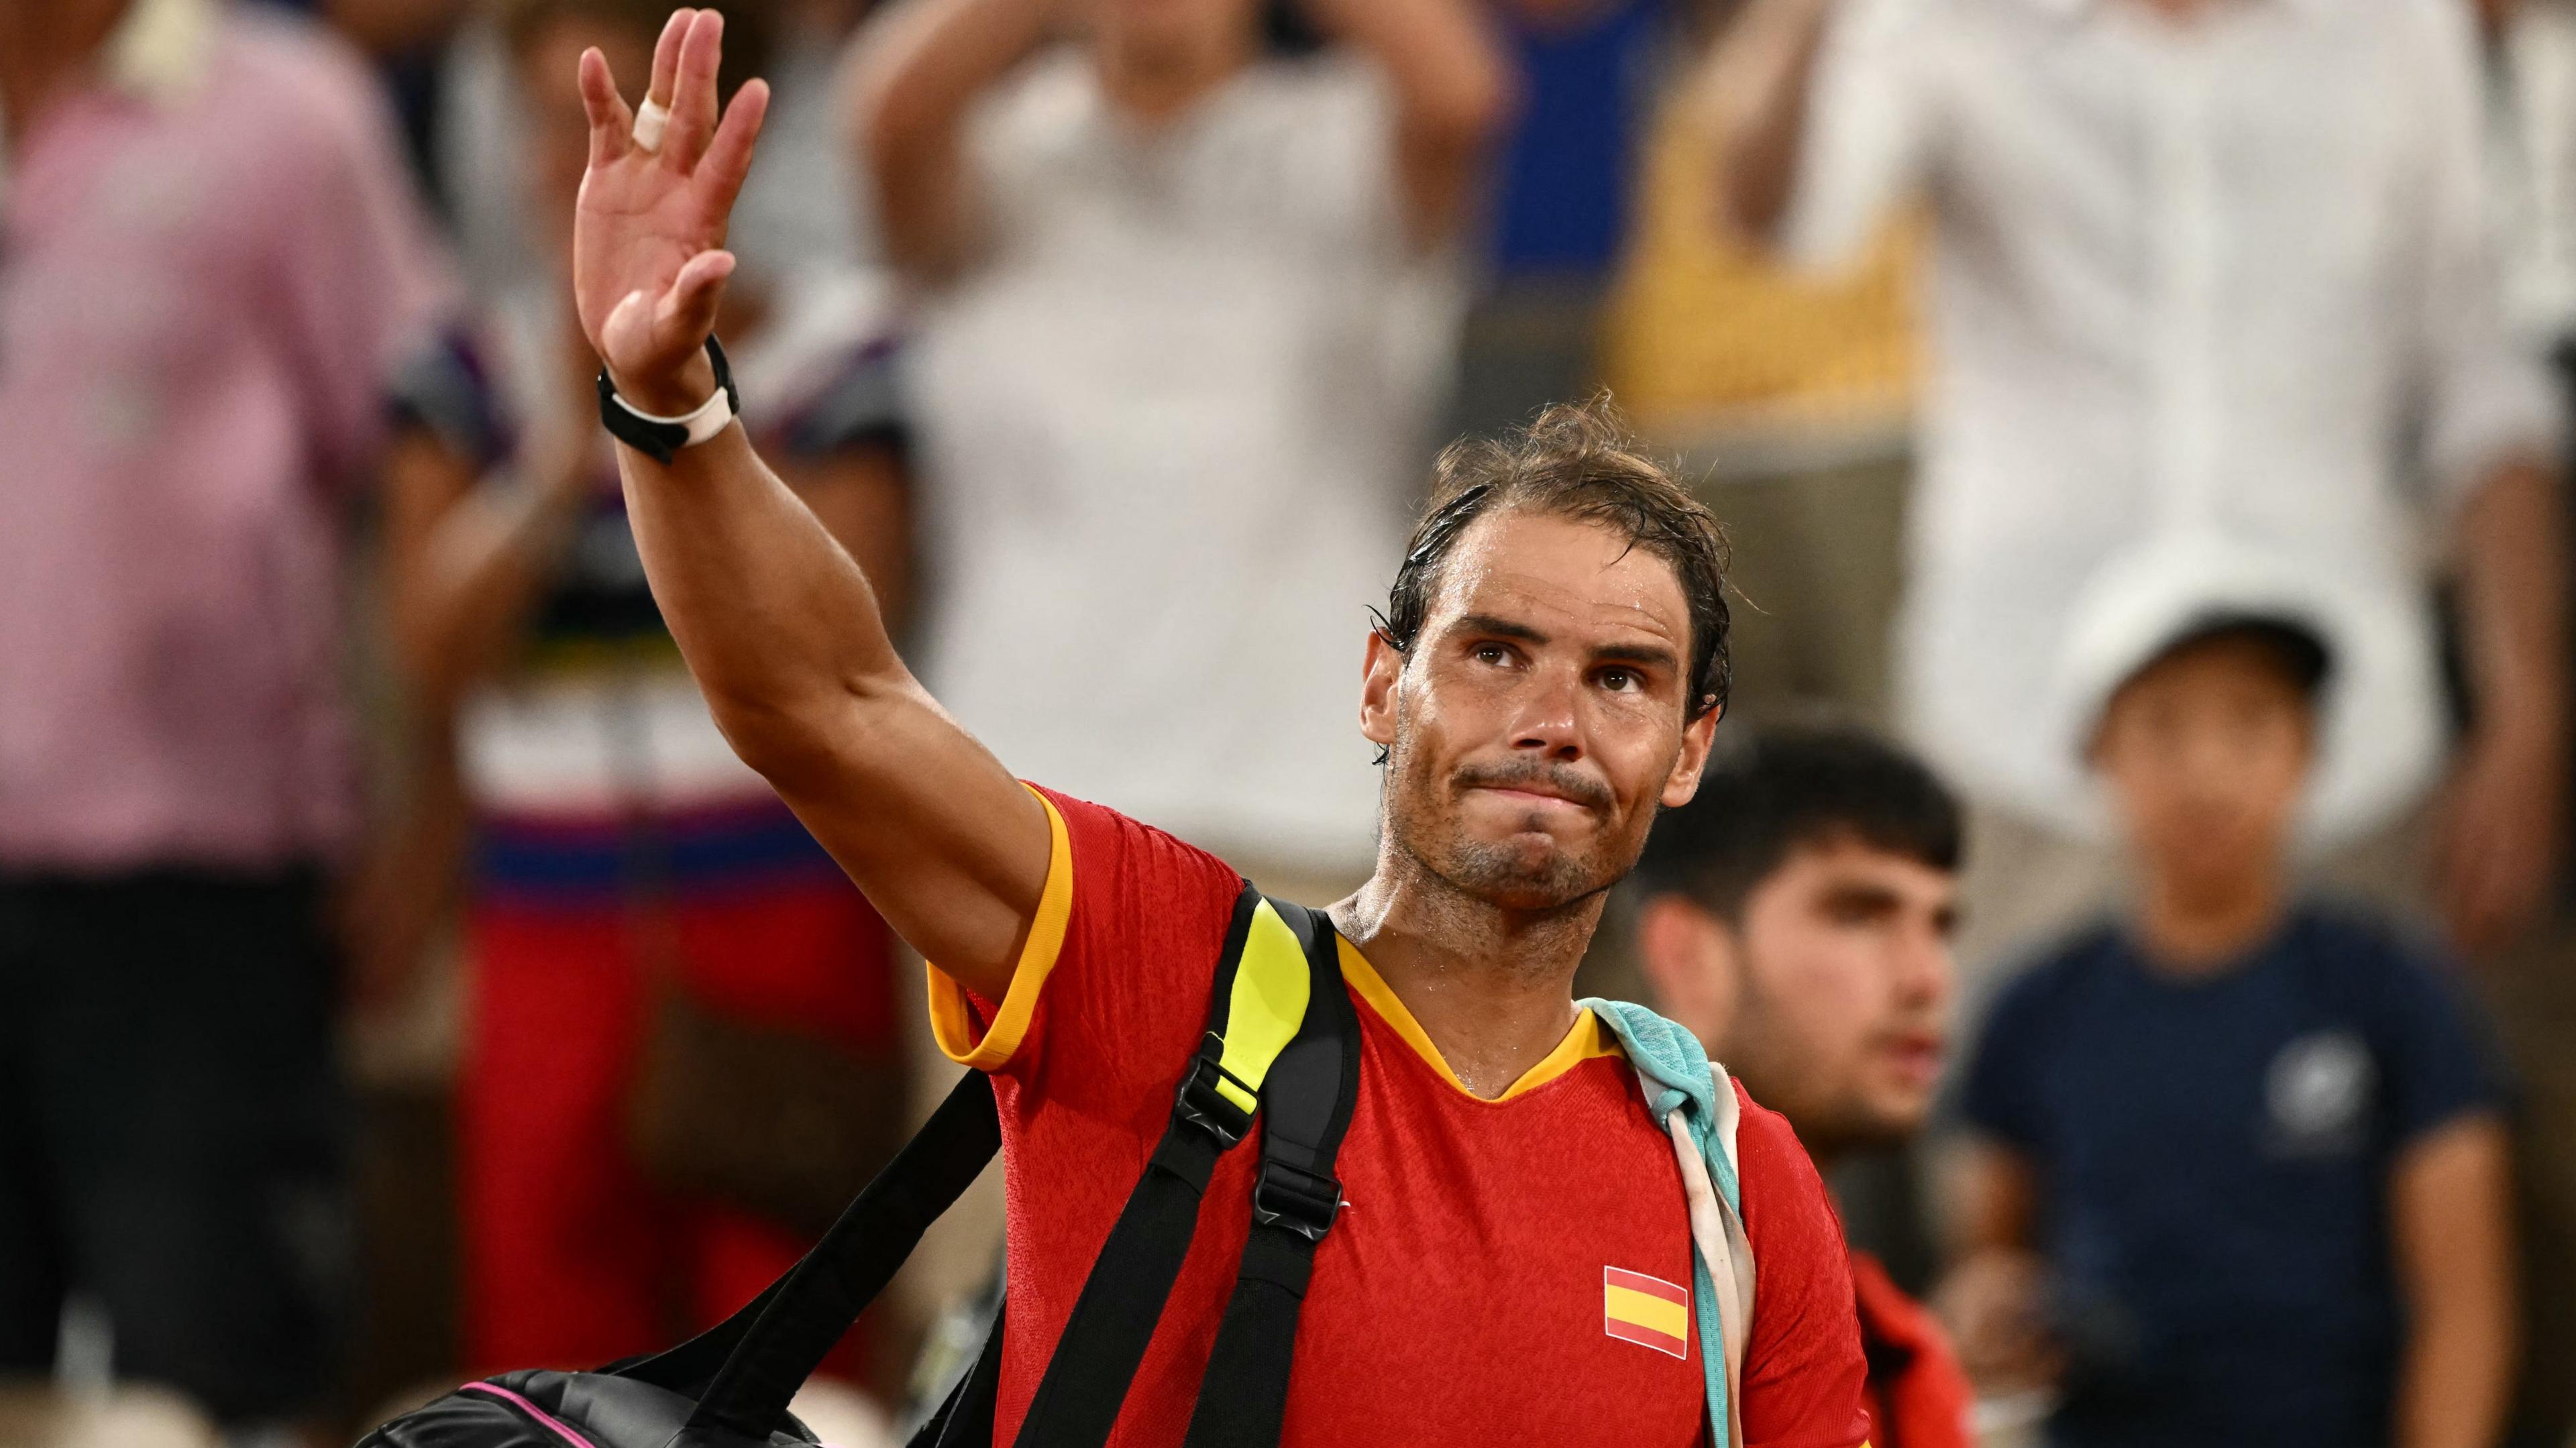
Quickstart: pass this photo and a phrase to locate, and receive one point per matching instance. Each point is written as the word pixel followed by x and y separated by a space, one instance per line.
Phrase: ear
pixel 1379 677
pixel 1697 736
pixel 1691 965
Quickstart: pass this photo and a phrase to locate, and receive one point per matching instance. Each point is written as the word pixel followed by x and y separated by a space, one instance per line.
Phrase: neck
pixel 1492 987
pixel 44 48
pixel 2201 927
pixel 1159 87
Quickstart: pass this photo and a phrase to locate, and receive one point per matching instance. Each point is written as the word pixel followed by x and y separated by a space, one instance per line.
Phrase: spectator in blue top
pixel 2241 1178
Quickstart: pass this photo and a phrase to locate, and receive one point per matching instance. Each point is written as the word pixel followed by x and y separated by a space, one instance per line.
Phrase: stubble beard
pixel 1425 826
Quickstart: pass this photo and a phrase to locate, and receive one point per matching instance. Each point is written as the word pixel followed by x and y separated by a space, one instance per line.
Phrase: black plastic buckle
pixel 1295 1199
pixel 1199 1103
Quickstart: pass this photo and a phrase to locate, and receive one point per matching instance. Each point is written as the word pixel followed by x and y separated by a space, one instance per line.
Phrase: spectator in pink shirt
pixel 208 252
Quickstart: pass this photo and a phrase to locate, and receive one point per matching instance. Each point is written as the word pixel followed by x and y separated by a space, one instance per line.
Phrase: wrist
pixel 671 394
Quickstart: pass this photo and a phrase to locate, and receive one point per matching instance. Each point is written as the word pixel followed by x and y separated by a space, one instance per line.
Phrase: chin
pixel 1520 876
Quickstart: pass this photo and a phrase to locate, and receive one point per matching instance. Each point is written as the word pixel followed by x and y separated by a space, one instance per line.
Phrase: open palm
pixel 648 234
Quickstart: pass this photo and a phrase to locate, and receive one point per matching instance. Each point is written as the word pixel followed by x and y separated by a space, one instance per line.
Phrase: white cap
pixel 2379 712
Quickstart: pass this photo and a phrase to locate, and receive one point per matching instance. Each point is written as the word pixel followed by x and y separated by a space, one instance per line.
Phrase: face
pixel 558 137
pixel 2205 753
pixel 1538 721
pixel 1830 996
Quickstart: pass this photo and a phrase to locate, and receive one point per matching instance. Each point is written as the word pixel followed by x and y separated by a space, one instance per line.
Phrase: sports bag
pixel 1281 1042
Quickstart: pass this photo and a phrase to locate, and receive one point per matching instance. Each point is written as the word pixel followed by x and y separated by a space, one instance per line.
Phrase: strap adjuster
pixel 1295 1199
pixel 1199 1103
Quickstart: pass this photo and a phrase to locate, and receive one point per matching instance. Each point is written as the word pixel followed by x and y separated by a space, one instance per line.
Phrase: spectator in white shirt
pixel 2226 259
pixel 1187 311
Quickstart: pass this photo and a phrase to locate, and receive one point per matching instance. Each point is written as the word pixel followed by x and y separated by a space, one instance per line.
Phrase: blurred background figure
pixel 212 257
pixel 1791 390
pixel 2242 1175
pixel 638 897
pixel 2234 292
pixel 1187 308
pixel 1797 919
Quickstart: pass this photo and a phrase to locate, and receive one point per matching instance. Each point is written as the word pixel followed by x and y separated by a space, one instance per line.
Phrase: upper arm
pixel 2450 1219
pixel 915 77
pixel 425 480
pixel 1866 138
pixel 863 498
pixel 1453 92
pixel 1803 1367
pixel 951 850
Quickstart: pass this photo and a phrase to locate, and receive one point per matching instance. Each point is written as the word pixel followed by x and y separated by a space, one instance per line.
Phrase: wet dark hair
pixel 1579 461
pixel 1787 788
pixel 2293 649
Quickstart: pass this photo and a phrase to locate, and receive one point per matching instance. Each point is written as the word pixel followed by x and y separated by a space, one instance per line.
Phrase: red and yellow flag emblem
pixel 1645 1310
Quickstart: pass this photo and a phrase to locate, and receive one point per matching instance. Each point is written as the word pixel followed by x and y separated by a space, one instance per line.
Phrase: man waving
pixel 1549 670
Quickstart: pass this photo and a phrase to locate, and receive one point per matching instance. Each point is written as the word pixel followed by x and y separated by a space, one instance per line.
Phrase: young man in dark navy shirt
pixel 2241 1177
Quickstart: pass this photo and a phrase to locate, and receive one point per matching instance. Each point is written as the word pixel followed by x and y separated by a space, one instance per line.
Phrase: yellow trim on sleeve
pixel 952 1014
pixel 1586 1040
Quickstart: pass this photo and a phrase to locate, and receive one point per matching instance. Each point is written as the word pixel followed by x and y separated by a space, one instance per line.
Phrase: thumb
pixel 686 313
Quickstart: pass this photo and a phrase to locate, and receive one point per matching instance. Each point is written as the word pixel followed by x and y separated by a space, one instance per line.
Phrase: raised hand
pixel 648 257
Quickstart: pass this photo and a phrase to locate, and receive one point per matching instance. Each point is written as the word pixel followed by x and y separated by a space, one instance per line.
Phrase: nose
pixel 1923 965
pixel 1546 722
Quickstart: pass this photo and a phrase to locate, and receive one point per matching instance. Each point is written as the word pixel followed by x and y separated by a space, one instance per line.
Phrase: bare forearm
pixel 2451 1224
pixel 2514 537
pixel 1751 96
pixel 780 628
pixel 1449 75
pixel 1453 89
pixel 2452 1384
pixel 918 73
pixel 469 595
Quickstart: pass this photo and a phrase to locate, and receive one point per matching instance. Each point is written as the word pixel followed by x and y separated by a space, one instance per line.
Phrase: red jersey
pixel 1919 1396
pixel 1482 1285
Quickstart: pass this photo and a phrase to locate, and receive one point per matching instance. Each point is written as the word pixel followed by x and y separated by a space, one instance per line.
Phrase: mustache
pixel 1522 773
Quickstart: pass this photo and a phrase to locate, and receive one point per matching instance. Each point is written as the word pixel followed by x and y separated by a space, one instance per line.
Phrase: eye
pixel 1621 681
pixel 1491 653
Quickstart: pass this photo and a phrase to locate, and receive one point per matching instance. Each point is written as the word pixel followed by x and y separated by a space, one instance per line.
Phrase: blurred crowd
pixel 2140 425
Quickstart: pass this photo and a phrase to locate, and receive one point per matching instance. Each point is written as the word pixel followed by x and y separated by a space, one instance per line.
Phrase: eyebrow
pixel 1495 627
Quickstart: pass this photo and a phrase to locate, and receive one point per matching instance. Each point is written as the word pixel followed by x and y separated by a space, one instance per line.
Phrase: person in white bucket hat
pixel 2241 1170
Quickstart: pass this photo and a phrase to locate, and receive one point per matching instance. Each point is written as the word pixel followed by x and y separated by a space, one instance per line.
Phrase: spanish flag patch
pixel 1645 1310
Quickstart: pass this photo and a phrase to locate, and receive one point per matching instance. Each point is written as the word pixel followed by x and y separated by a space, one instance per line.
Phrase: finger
pixel 686 313
pixel 693 102
pixel 610 122
pixel 666 56
pixel 728 157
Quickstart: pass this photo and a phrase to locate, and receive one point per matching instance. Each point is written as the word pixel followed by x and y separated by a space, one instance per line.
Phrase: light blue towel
pixel 1674 1061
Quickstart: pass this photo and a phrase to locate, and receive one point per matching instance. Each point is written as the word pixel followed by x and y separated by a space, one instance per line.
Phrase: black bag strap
pixel 744 1370
pixel 1305 1108
pixel 752 1364
pixel 1104 1338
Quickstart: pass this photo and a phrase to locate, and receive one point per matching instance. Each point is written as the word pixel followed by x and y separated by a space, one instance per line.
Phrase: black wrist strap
pixel 660 439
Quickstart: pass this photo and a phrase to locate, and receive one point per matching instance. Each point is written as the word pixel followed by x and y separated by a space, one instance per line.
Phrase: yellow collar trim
pixel 1586 1040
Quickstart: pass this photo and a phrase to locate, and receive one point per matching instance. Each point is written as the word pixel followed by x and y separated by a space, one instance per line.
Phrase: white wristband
pixel 701 422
